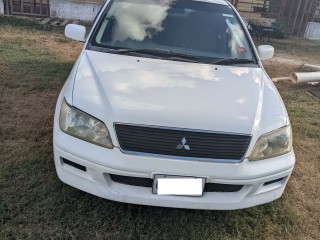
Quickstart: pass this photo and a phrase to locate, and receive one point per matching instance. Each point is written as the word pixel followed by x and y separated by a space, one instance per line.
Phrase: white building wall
pixel 313 31
pixel 71 9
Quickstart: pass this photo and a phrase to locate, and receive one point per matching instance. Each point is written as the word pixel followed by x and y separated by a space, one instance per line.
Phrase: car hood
pixel 126 89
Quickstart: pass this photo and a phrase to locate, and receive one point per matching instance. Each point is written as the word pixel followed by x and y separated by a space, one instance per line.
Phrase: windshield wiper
pixel 231 61
pixel 161 52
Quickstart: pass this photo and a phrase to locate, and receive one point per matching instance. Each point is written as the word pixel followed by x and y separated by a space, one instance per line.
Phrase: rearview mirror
pixel 75 32
pixel 265 52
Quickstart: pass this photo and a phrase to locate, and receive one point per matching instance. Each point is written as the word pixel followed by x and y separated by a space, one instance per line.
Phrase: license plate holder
pixel 178 185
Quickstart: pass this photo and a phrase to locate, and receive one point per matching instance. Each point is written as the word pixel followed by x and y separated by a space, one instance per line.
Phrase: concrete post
pixel 1 7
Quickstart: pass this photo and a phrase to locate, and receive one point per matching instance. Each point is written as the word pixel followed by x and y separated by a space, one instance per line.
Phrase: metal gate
pixel 37 8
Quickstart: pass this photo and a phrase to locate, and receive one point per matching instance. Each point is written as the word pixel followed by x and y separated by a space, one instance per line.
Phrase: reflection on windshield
pixel 137 22
pixel 197 28
pixel 236 45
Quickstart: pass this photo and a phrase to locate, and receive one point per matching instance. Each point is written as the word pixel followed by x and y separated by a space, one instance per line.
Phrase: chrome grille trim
pixel 242 142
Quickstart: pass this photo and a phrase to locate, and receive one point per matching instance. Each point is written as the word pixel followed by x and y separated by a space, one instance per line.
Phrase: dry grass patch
pixel 302 194
pixel 26 119
pixel 303 190
pixel 44 44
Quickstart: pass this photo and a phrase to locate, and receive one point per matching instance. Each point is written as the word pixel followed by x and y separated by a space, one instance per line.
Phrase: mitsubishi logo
pixel 184 145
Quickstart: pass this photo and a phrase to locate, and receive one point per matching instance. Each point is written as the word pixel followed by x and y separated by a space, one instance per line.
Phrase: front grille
pixel 182 143
pixel 147 182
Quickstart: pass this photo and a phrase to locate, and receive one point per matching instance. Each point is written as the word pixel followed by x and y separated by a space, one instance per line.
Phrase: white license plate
pixel 178 186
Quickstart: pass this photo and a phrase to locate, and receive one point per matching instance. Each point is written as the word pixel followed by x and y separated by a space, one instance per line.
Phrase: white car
pixel 169 105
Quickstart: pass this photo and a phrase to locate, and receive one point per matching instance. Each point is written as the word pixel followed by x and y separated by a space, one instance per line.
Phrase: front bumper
pixel 100 163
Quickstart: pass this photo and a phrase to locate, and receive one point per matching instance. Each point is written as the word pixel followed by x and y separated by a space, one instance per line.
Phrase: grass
pixel 34 204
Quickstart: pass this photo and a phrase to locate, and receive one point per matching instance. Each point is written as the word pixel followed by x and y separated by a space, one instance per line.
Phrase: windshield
pixel 204 30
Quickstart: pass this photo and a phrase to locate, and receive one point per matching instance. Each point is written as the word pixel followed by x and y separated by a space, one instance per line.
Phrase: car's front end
pixel 130 124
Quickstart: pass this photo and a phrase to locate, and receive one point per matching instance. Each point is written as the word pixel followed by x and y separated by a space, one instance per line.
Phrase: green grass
pixel 28 65
pixel 34 204
pixel 30 24
pixel 43 207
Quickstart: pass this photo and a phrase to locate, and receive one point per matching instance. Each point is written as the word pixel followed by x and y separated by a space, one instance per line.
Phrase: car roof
pixel 222 2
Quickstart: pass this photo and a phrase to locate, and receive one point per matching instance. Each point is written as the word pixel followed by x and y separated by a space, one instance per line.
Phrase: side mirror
pixel 265 52
pixel 75 32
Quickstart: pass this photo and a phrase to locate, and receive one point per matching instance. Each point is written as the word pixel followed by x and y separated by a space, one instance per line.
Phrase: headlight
pixel 81 125
pixel 273 144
